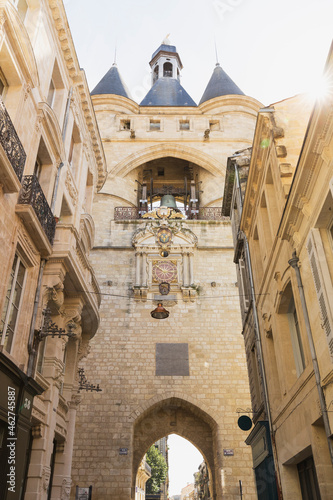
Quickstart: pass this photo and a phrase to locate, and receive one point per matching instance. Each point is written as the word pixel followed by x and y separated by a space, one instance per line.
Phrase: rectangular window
pixel 3 84
pixel 308 479
pixel 125 125
pixel 214 125
pixel 154 125
pixel 184 125
pixel 51 94
pixel 41 354
pixel 11 309
pixel 38 168
pixel 71 151
pixel 296 339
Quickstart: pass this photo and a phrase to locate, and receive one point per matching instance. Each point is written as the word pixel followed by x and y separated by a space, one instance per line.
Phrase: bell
pixel 168 201
pixel 159 312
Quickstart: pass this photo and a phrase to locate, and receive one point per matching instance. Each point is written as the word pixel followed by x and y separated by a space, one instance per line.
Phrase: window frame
pixel 296 337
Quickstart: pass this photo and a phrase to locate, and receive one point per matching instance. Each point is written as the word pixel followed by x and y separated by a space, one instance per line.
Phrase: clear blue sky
pixel 272 50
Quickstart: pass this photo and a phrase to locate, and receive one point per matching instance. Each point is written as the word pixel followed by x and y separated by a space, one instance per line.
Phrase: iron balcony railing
pixel 11 143
pixel 204 213
pixel 32 194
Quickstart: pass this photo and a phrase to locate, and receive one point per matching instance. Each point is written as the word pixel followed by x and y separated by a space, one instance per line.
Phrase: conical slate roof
pixel 220 84
pixel 167 92
pixel 112 83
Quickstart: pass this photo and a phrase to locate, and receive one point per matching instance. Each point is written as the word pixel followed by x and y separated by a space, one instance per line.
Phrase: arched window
pixel 155 75
pixel 167 69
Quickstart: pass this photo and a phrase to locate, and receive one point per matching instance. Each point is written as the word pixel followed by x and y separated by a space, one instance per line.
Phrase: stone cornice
pixel 316 153
pixel 116 100
pixel 255 174
pixel 77 75
pixel 245 103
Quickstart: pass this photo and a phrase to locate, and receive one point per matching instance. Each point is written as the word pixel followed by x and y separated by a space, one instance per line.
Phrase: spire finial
pixel 166 40
pixel 217 58
pixel 115 55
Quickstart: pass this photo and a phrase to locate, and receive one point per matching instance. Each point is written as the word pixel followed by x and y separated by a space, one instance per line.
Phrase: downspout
pixel 64 129
pixel 258 340
pixel 31 344
pixel 294 264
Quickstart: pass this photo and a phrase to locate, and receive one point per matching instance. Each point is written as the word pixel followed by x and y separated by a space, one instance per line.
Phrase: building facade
pixel 51 161
pixel 185 374
pixel 281 207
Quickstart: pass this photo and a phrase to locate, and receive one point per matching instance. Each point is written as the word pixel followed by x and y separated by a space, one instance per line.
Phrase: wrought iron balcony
pixel 31 194
pixel 202 213
pixel 12 154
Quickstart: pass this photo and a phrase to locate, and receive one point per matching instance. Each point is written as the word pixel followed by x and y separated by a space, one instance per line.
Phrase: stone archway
pixel 177 416
pixel 175 150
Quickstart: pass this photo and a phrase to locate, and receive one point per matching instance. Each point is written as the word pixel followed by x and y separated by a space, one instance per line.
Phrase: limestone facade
pixel 287 221
pixel 51 161
pixel 185 374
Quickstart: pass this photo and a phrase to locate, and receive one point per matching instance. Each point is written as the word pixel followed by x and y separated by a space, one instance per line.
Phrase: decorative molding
pixel 71 188
pixel 78 77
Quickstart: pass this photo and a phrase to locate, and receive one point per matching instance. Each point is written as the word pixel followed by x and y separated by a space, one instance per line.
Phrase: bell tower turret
pixel 165 62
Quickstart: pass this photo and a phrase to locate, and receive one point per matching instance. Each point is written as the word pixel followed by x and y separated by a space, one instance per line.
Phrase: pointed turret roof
pixel 167 92
pixel 220 84
pixel 112 83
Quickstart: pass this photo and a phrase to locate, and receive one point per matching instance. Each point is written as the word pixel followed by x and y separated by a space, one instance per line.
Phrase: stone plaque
pixel 172 360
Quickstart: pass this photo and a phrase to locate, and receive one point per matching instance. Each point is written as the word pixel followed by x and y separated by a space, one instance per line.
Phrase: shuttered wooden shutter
pixel 323 283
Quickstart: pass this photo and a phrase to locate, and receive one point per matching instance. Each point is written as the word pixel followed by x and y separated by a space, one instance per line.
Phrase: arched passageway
pixel 176 416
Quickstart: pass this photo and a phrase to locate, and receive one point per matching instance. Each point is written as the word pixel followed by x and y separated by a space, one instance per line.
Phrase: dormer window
pixel 167 70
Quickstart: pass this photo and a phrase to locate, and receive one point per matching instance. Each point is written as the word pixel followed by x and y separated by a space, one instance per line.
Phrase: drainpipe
pixel 294 264
pixel 64 130
pixel 31 344
pixel 258 340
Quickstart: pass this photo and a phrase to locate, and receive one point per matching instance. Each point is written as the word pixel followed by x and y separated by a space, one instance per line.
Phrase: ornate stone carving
pixel 66 488
pixel 267 325
pixel 84 349
pixel 46 472
pixel 72 191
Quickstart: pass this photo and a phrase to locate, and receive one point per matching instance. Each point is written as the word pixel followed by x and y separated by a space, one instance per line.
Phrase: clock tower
pixel 160 238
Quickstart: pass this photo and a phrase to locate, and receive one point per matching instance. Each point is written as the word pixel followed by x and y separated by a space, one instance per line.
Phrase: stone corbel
pixel 55 295
pixel 71 312
pixel 83 351
pixel 37 431
pixel 75 401
pixel 140 293
pixel 189 294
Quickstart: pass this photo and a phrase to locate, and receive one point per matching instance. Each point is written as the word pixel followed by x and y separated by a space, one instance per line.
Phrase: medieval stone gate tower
pixel 185 374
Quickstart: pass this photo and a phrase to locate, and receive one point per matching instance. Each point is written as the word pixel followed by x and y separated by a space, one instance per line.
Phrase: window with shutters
pixel 13 303
pixel 322 282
